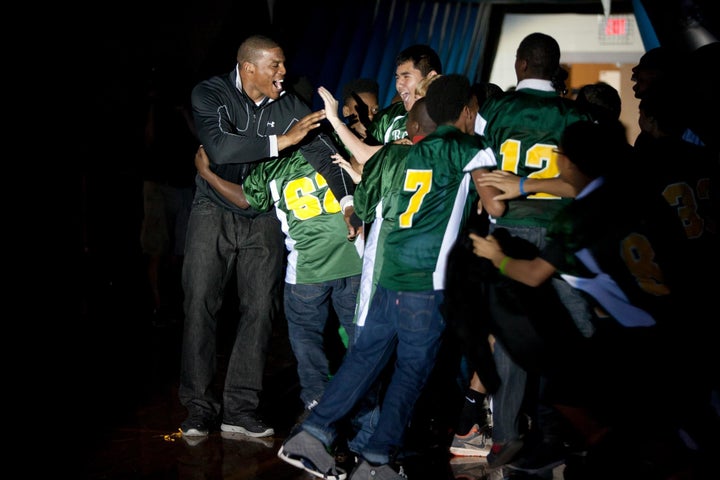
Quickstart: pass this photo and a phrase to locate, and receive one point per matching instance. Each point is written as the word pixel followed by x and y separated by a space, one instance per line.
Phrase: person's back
pixel 323 267
pixel 376 198
pixel 683 172
pixel 524 126
pixel 431 208
pixel 308 216
pixel 686 176
pixel 522 129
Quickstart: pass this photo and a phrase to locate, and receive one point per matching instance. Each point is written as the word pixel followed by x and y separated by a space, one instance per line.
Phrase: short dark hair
pixel 485 90
pixel 250 49
pixel 601 100
pixel 424 58
pixel 360 85
pixel 542 53
pixel 447 96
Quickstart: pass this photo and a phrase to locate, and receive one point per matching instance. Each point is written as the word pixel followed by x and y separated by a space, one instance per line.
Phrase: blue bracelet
pixel 522 184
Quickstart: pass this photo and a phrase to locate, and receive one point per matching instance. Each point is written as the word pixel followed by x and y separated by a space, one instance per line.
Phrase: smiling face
pixel 264 76
pixel 406 79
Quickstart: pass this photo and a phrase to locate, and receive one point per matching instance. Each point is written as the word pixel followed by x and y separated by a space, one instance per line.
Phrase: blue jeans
pixel 408 323
pixel 221 244
pixel 508 399
pixel 307 308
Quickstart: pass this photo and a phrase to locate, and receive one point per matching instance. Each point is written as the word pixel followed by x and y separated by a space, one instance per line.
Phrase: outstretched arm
pixel 299 131
pixel 509 185
pixel 231 191
pixel 359 149
pixel 530 272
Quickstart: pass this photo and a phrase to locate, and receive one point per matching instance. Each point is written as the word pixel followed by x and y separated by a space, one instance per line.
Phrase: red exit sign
pixel 615 27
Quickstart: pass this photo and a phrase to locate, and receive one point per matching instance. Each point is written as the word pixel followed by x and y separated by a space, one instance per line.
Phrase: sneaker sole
pixel 240 437
pixel 298 462
pixel 235 429
pixel 194 432
pixel 469 452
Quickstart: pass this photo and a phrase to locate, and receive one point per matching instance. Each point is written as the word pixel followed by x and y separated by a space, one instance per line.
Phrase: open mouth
pixel 278 84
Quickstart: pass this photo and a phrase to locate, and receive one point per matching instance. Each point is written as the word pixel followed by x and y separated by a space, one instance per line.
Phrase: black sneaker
pixel 196 425
pixel 249 425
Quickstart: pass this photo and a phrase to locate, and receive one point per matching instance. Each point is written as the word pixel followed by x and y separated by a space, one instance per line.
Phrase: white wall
pixel 579 37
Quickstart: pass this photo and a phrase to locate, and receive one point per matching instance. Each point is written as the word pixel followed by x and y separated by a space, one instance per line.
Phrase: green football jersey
pixel 521 130
pixel 314 227
pixel 432 205
pixel 376 201
pixel 389 124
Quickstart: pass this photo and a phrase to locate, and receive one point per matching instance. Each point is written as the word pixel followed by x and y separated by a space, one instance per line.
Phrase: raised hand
pixel 300 130
pixel 331 105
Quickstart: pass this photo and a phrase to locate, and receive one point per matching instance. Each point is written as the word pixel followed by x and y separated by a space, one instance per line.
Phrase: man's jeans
pixel 407 322
pixel 307 308
pixel 508 399
pixel 219 244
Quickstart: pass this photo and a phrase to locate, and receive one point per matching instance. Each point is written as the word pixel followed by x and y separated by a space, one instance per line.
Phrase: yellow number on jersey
pixel 681 197
pixel 301 199
pixel 539 156
pixel 639 256
pixel 420 182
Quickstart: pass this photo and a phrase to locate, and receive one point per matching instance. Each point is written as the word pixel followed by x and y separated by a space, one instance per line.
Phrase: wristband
pixel 522 186
pixel 346 201
pixel 503 264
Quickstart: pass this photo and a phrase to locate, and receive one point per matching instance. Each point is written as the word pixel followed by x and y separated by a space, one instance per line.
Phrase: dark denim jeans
pixel 307 308
pixel 409 323
pixel 219 244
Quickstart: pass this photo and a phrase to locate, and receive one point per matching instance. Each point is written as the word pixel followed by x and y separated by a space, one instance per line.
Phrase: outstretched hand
pixel 331 104
pixel 300 130
pixel 505 181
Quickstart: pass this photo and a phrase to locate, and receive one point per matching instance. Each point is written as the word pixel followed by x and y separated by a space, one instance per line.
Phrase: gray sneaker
pixel 365 471
pixel 476 443
pixel 248 425
pixel 302 450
